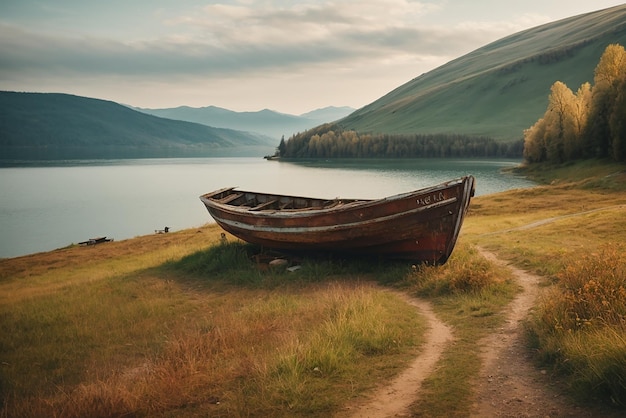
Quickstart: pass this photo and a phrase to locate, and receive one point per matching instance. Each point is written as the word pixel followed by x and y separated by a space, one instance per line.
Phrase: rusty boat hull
pixel 419 226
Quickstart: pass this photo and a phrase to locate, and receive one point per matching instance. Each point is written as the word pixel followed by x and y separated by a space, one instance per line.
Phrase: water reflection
pixel 400 175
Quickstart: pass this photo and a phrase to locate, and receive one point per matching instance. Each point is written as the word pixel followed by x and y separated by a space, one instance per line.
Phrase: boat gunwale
pixel 310 211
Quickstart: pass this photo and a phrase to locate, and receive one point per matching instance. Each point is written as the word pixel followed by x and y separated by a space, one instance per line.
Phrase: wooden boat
pixel 420 226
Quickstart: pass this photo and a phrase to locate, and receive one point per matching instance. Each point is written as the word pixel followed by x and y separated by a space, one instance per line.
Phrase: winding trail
pixel 394 399
pixel 508 385
pixel 553 219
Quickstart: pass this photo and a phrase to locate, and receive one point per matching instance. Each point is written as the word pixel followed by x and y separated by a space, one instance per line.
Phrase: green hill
pixel 500 89
pixel 52 125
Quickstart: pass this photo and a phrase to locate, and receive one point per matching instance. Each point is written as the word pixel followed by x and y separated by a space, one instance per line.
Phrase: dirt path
pixel 509 384
pixel 554 219
pixel 394 399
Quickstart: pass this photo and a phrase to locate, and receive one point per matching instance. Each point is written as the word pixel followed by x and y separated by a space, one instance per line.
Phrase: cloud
pixel 240 54
pixel 241 38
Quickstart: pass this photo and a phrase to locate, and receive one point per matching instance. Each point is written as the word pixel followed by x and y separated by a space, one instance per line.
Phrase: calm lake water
pixel 52 206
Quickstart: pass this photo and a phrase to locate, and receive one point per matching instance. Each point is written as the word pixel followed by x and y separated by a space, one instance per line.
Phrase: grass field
pixel 181 324
pixel 176 323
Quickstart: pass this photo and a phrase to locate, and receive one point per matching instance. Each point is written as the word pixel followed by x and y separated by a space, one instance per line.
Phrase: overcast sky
pixel 248 55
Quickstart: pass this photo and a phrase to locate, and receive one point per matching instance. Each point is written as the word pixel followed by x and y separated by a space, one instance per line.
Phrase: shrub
pixel 465 272
pixel 581 325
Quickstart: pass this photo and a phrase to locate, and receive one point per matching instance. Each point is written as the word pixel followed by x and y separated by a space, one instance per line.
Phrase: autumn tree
pixel 588 124
pixel 553 137
pixel 559 120
pixel 617 123
pixel 608 75
pixel 534 142
pixel 575 149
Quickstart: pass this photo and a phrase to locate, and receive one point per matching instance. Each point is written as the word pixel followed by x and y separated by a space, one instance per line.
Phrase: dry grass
pixel 581 324
pixel 537 228
pixel 38 274
pixel 147 327
pixel 264 353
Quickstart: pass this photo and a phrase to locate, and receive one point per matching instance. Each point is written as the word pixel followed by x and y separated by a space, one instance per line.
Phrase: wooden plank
pixel 215 193
pixel 264 205
pixel 230 198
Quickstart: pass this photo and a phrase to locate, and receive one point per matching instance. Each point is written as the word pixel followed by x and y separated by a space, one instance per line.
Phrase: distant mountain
pixel 328 114
pixel 265 122
pixel 53 125
pixel 500 89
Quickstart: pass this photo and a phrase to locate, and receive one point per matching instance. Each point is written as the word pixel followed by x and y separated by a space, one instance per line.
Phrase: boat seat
pixel 230 198
pixel 332 204
pixel 264 205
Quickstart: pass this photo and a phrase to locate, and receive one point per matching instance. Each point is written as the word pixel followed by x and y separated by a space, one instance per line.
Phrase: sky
pixel 247 55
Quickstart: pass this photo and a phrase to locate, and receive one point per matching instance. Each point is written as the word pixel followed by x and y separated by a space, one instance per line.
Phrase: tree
pixel 282 148
pixel 607 77
pixel 581 110
pixel 611 68
pixel 617 124
pixel 534 144
pixel 559 119
pixel 588 124
pixel 553 137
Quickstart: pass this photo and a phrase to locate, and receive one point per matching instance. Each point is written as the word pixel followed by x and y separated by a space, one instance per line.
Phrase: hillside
pixel 265 122
pixel 52 125
pixel 500 89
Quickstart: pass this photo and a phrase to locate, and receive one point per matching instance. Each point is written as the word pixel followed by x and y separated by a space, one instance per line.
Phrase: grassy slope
pixel 172 323
pixel 500 89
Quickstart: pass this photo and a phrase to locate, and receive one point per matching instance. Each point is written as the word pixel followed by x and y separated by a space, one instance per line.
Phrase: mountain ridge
pixel 500 89
pixel 39 124
pixel 266 122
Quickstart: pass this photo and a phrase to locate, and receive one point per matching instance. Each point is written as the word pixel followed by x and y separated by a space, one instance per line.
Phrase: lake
pixel 49 206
